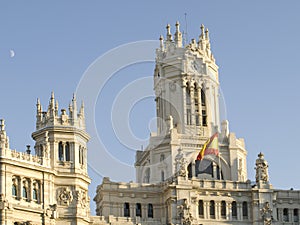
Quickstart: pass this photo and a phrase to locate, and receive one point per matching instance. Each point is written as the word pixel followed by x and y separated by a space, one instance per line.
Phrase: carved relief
pixel 82 198
pixel 64 196
pixel 184 213
pixel 181 164
pixel 266 213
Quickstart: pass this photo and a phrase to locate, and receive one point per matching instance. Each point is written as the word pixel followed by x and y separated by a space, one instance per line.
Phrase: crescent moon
pixel 12 53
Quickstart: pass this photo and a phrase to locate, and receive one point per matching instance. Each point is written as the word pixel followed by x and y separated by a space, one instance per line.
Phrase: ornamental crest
pixel 64 196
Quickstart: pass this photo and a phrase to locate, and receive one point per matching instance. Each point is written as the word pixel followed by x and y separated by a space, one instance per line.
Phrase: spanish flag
pixel 210 147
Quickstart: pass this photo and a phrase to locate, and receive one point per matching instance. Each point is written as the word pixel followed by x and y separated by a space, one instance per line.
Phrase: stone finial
pixel 207 34
pixel 161 41
pixel 202 32
pixel 81 112
pixel 178 36
pixel 169 35
pixel 2 125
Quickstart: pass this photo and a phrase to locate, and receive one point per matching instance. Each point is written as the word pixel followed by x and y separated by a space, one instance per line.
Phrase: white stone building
pixel 172 187
pixel 50 184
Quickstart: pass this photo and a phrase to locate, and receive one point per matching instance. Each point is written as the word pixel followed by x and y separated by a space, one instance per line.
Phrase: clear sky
pixel 255 43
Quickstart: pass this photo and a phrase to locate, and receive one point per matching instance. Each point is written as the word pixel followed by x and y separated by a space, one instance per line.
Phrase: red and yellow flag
pixel 210 147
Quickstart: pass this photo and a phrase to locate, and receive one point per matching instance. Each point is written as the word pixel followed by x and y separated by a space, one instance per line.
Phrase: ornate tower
pixel 186 85
pixel 61 139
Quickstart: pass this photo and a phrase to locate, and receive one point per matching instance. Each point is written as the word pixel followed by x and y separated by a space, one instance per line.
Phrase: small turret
pixel 178 36
pixel 4 140
pixel 52 117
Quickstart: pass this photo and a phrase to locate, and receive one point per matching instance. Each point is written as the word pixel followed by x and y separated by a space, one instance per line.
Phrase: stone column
pixel 206 210
pixel 290 215
pixel 132 210
pixel 193 168
pixel 228 211
pixel 218 210
pixel 239 211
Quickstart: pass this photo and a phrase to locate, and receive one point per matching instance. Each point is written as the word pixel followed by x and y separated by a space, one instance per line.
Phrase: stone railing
pixel 24 157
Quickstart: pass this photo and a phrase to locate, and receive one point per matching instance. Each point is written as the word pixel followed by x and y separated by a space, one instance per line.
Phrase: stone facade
pixel 172 187
pixel 50 185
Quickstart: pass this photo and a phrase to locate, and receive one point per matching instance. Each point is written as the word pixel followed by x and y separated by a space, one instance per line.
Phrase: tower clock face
pixel 195 66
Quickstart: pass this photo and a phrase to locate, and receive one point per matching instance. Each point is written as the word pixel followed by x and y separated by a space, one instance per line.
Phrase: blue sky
pixel 255 43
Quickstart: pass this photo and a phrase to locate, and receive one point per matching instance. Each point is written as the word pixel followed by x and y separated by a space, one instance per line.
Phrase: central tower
pixel 186 85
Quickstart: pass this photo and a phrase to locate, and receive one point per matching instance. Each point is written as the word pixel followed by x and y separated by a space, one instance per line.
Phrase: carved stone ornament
pixel 184 213
pixel 64 196
pixel 181 164
pixel 266 213
pixel 82 198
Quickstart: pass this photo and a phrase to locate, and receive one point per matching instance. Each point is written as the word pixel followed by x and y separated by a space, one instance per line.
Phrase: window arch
pixel 162 157
pixel 285 215
pixel 212 209
pixel 162 175
pixel 234 210
pixel 34 194
pixel 14 190
pixel 147 176
pixel 223 209
pixel 203 101
pixel 126 210
pixel 24 193
pixel 245 210
pixel 60 151
pixel 67 151
pixel 138 210
pixel 200 209
pixel 150 210
pixel 188 94
pixel 296 215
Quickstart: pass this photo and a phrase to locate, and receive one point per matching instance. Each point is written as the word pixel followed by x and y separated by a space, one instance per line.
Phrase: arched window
pixel 200 209
pixel 196 101
pixel 24 193
pixel 150 210
pixel 67 151
pixel 188 95
pixel 41 152
pixel 223 209
pixel 203 101
pixel 126 210
pixel 34 194
pixel 14 190
pixel 245 210
pixel 285 215
pixel 204 166
pixel 147 176
pixel 79 155
pixel 162 157
pixel 189 169
pixel 212 209
pixel 234 210
pixel 296 215
pixel 162 175
pixel 138 209
pixel 60 152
